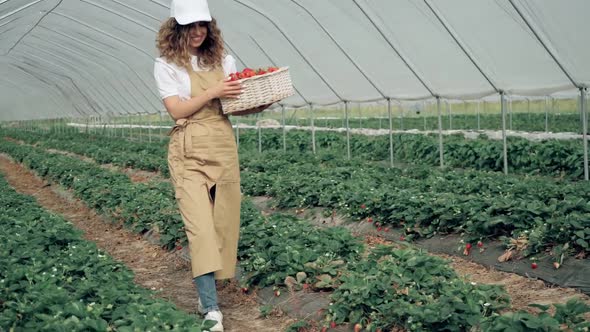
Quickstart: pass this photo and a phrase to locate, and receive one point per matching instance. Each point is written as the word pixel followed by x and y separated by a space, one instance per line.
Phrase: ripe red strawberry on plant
pixel 467 249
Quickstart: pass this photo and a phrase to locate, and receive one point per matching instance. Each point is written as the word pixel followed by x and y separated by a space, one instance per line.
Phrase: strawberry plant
pixel 410 289
pixel 53 280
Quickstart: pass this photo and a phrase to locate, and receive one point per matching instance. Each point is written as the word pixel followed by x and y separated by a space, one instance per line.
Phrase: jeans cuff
pixel 211 308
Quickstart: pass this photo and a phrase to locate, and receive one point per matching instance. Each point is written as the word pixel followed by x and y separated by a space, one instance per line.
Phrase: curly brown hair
pixel 173 43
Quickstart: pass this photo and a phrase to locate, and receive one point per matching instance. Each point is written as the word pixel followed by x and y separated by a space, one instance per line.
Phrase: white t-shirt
pixel 175 81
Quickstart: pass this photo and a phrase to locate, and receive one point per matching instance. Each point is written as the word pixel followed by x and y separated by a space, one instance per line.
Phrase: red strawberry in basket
pixel 272 69
pixel 248 72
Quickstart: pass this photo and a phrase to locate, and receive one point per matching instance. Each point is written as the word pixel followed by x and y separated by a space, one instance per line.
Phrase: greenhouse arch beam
pixel 123 16
pixel 103 92
pixel 20 9
pixel 78 57
pixel 63 101
pixel 402 57
pixel 460 44
pixel 105 53
pixel 342 49
pixel 253 8
pixel 33 27
pixel 64 69
pixel 75 87
pixel 104 33
pixel 553 56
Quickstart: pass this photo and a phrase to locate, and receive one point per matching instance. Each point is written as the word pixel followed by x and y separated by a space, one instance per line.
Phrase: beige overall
pixel 203 162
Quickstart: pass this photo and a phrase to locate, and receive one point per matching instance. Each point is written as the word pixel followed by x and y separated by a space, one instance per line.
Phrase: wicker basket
pixel 260 90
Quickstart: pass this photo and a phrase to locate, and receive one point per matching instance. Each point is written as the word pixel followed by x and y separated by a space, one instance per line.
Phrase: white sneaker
pixel 215 316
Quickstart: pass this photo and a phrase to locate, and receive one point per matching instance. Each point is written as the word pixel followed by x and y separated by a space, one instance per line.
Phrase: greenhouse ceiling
pixel 64 58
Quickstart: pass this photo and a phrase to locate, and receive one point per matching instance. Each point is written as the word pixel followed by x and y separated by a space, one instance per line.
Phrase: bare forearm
pixel 180 109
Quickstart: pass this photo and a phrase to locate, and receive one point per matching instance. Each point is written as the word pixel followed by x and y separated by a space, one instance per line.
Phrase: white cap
pixel 190 11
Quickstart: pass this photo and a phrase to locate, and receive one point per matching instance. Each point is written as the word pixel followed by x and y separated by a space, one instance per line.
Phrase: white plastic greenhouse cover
pixel 94 57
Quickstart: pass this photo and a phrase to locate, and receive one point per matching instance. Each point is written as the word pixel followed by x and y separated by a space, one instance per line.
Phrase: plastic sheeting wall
pixel 93 57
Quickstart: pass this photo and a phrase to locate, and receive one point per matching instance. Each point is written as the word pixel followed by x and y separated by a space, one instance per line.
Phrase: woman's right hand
pixel 225 89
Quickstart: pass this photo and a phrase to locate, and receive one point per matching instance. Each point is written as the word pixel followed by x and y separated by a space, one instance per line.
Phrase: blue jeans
pixel 207 291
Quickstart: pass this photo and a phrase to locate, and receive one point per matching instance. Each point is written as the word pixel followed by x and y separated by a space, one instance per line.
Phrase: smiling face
pixel 197 35
pixel 178 42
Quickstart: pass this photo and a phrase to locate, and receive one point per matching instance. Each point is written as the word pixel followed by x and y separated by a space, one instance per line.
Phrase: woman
pixel 191 74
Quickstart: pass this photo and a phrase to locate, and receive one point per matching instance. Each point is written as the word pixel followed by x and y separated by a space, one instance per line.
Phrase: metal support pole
pixel 360 116
pixel 238 131
pixel 401 116
pixel 440 138
pixel 546 115
pixel 584 129
pixel 483 108
pixel 259 132
pixel 284 128
pixel 450 115
pixel 528 110
pixel 109 125
pixel 130 118
pixel 139 126
pixel 312 117
pixel 347 130
pixel 390 132
pixel 478 119
pixel 122 122
pixel 160 125
pixel 149 128
pixel 465 109
pixel 504 146
pixel 510 113
pixel 424 113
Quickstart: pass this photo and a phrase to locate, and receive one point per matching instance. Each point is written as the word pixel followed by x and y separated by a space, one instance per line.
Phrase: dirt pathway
pixel 154 267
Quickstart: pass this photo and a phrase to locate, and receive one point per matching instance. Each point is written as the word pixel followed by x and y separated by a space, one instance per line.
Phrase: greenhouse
pixel 428 170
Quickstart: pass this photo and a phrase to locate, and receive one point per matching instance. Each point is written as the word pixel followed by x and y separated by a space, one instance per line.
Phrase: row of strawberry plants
pixel 267 260
pixel 432 204
pixel 53 280
pixel 551 157
pixel 144 156
pixel 426 201
pixel 405 288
